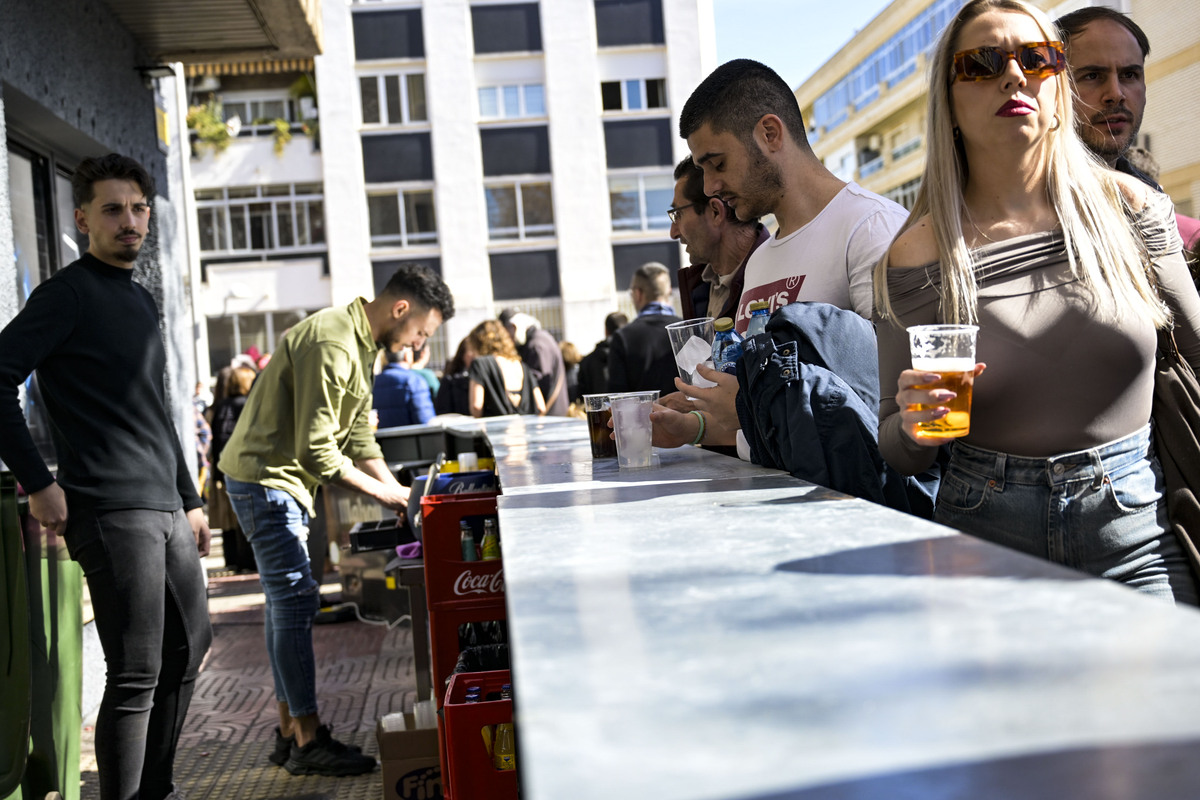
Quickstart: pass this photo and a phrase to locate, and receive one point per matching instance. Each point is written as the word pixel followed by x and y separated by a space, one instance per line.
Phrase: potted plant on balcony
pixel 208 127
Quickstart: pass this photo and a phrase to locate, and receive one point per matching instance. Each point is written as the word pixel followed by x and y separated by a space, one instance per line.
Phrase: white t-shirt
pixel 829 260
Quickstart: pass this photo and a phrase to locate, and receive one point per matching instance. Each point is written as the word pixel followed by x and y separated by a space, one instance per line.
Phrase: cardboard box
pixel 411 770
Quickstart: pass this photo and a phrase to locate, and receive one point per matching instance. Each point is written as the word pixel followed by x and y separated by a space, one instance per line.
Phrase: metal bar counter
pixel 711 629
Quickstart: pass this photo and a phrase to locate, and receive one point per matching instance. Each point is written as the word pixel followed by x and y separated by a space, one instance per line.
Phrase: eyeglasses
pixel 1037 59
pixel 674 211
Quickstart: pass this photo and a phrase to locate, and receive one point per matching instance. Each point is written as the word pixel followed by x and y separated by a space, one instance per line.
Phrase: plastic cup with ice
pixel 691 341
pixel 631 422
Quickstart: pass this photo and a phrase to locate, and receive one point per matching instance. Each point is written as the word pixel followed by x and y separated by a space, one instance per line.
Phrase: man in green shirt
pixel 306 423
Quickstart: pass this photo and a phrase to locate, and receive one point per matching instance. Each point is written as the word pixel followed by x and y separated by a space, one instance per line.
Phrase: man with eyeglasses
pixel 718 245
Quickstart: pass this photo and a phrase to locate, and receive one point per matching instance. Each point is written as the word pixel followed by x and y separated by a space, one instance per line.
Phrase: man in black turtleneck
pixel 124 498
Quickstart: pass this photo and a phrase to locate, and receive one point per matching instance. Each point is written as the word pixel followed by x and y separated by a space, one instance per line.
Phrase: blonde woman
pixel 500 383
pixel 1019 230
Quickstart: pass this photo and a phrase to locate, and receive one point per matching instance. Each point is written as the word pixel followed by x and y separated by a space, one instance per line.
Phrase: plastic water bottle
pixel 727 346
pixel 760 312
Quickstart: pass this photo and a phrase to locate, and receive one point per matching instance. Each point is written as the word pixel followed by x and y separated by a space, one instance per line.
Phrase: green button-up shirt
pixel 307 419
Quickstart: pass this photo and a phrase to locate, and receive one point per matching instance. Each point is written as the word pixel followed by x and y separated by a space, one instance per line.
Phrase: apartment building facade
pixel 522 149
pixel 866 106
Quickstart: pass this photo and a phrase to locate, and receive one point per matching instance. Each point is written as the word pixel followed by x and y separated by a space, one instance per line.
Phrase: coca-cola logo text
pixel 468 582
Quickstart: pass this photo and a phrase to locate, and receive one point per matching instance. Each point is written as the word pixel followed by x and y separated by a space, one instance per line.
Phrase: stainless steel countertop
pixel 711 629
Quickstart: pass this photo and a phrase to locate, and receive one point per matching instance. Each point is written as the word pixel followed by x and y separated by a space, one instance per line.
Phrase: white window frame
pixel 523 231
pixel 403 239
pixel 385 120
pixel 523 111
pixel 640 86
pixel 650 220
pixel 299 204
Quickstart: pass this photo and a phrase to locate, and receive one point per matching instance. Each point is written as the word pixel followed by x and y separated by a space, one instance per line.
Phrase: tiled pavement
pixel 363 672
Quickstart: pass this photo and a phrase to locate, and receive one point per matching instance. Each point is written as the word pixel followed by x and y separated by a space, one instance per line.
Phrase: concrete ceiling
pixel 207 31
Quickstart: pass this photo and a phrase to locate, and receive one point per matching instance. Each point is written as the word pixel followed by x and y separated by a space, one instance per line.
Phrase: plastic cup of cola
pixel 691 341
pixel 631 422
pixel 598 415
pixel 948 351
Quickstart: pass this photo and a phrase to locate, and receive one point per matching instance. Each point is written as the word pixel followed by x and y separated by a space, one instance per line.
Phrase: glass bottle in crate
pixel 760 312
pixel 466 540
pixel 489 548
pixel 504 747
pixel 727 346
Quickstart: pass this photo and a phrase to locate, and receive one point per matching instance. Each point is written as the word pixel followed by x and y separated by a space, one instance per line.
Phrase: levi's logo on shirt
pixel 778 293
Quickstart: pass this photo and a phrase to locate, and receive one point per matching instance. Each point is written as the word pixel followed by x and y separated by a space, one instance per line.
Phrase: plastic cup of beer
pixel 631 422
pixel 691 341
pixel 598 414
pixel 948 351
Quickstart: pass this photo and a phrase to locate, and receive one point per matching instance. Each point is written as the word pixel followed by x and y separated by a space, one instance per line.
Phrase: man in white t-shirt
pixel 745 131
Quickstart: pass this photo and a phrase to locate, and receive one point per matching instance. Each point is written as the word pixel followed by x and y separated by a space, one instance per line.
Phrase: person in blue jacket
pixel 401 395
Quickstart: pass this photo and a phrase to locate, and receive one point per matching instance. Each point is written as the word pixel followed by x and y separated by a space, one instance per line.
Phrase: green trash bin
pixel 41 653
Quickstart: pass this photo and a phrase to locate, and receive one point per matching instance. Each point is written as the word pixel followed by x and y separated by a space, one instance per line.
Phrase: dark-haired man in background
pixel 306 423
pixel 124 498
pixel 593 369
pixel 1107 52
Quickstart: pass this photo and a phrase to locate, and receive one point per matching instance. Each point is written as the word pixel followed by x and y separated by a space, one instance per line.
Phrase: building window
pixel 388 34
pixel 629 22
pixel 397 157
pixel 640 143
pixel 527 275
pixel 515 151
pixel 510 28
pixel 633 95
pixel 257 113
pixel 278 218
pixel 396 99
pixel 639 202
pixel 890 63
pixel 402 217
pixel 519 211
pixel 512 101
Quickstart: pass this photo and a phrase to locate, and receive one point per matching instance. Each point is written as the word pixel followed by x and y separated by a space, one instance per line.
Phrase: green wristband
pixel 699 435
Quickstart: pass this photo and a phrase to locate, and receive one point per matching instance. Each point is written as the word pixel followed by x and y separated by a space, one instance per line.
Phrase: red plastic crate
pixel 449 579
pixel 457 591
pixel 468 770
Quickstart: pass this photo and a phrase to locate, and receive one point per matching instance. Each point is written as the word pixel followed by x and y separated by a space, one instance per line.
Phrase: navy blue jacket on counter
pixel 808 403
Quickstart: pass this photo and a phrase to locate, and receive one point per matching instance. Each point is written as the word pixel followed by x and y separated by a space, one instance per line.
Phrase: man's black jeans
pixel 148 595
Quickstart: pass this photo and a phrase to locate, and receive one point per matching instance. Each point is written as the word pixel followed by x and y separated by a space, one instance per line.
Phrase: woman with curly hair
pixel 1068 268
pixel 500 383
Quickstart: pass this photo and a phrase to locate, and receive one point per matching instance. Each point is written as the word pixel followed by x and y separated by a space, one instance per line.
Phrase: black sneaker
pixel 283 749
pixel 325 755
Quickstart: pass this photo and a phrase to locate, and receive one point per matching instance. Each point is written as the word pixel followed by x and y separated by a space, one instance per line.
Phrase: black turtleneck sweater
pixel 93 336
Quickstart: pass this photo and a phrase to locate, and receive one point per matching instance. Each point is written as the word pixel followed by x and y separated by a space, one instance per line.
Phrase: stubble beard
pixel 1104 144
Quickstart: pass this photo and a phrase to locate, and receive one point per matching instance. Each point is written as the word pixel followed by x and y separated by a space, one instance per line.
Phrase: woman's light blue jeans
pixel 276 525
pixel 1100 511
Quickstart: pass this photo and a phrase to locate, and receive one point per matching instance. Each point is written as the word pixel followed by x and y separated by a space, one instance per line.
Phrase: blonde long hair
pixel 1102 249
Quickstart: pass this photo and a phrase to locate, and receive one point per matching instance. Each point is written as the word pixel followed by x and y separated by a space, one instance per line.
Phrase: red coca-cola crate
pixel 458 591
pixel 468 771
pixel 449 579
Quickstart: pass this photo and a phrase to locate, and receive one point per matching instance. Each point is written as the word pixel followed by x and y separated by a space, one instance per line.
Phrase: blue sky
pixel 793 37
